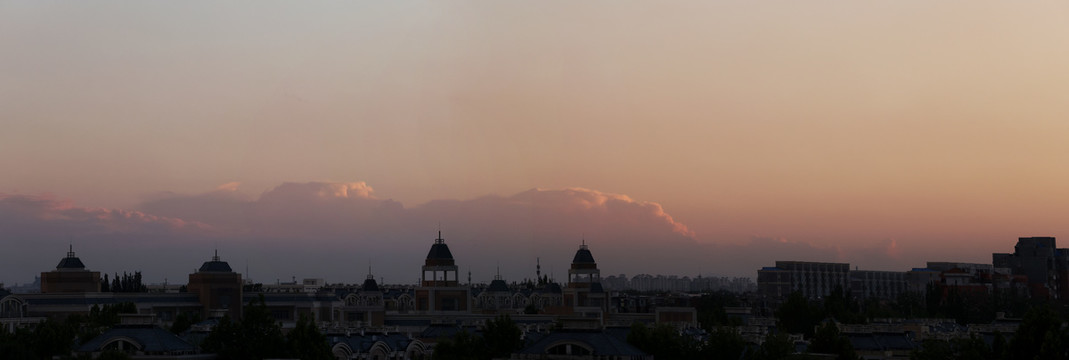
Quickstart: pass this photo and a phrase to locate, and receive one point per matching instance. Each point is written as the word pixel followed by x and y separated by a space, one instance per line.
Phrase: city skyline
pixel 676 138
pixel 351 274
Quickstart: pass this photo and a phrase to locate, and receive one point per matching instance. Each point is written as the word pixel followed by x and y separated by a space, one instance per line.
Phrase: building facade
pixel 812 279
pixel 440 290
pixel 70 276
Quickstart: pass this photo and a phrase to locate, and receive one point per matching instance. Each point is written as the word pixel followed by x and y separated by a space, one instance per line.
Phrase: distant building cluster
pixel 361 321
pixel 646 282
pixel 1036 268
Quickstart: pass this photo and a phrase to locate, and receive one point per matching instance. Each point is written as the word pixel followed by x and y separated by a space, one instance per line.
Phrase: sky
pixel 676 137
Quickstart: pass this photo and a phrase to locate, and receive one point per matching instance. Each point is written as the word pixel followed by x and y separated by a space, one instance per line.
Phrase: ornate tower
pixel 584 282
pixel 440 289
pixel 218 287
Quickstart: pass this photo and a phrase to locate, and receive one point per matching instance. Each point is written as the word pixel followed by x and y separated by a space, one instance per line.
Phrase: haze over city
pixel 683 138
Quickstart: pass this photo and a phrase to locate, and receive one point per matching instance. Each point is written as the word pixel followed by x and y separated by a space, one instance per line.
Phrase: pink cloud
pixel 50 215
pixel 335 230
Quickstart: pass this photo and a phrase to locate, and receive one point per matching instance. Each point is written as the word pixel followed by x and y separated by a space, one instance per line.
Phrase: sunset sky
pixel 314 140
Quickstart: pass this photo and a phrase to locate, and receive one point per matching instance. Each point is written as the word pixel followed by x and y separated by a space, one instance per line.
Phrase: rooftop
pixel 215 265
pixel 583 256
pixel 70 262
pixel 439 251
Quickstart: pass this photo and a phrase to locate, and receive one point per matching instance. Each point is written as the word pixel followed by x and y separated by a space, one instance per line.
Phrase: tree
pixel 19 345
pixel 664 342
pixel 225 339
pixel 910 305
pixel 969 348
pixel 52 338
pixel 828 340
pixel 711 311
pixel 462 346
pixel 775 347
pixel 725 343
pixel 256 336
pixel 1033 332
pixel 502 336
pixel 306 342
pixel 183 322
pixel 796 315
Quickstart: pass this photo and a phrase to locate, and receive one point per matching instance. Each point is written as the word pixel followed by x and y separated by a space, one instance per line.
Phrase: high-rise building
pixel 868 284
pixel 1042 262
pixel 813 279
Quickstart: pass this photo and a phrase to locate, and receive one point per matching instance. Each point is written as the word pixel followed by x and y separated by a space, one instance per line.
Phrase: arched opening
pixel 342 351
pixel 121 344
pixel 416 350
pixel 570 348
pixel 379 351
pixel 12 307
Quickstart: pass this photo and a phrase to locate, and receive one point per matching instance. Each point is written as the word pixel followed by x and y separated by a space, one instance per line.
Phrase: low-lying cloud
pixel 336 230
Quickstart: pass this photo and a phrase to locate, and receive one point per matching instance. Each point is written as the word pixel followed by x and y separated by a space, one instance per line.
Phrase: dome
pixel 439 251
pixel 498 285
pixel 439 254
pixel 583 256
pixel 370 284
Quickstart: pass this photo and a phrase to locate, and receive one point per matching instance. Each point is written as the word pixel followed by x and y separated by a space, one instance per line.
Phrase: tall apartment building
pixel 1045 265
pixel 865 284
pixel 813 279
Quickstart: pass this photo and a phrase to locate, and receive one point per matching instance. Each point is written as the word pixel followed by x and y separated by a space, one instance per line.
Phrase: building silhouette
pixel 218 288
pixel 70 276
pixel 440 290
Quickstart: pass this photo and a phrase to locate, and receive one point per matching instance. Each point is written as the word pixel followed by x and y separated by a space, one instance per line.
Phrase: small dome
pixel 370 284
pixel 439 254
pixel 583 256
pixel 553 288
pixel 439 251
pixel 498 285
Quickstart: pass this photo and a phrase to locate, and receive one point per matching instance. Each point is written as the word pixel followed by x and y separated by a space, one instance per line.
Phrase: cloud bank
pixel 336 230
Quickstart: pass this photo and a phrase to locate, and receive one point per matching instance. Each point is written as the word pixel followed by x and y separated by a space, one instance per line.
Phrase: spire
pixel 70 251
pixel 369 276
pixel 538 267
pixel 216 257
pixel 439 240
pixel 498 276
